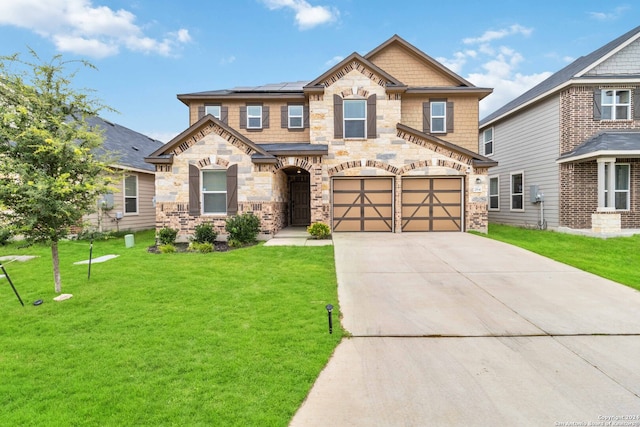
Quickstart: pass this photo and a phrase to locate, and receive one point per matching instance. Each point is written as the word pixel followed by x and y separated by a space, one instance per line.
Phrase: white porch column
pixel 610 181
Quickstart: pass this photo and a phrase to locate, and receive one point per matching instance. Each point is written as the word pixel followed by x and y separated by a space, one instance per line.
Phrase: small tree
pixel 49 174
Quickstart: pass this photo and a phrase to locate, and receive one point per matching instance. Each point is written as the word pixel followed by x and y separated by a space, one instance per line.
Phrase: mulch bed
pixel 183 247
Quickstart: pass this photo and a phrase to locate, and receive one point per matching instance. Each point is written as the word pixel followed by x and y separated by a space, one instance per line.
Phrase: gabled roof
pixel 565 76
pixel 477 160
pixel 127 146
pixel 396 39
pixel 391 82
pixel 164 155
pixel 606 143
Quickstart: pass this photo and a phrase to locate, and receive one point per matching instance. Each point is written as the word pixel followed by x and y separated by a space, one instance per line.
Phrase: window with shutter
pixel 254 116
pixel 214 110
pixel 296 117
pixel 214 192
pixel 355 118
pixel 615 104
pixel 438 117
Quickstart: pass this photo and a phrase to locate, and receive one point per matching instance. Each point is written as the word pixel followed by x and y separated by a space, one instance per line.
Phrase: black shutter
pixel 337 117
pixel 636 104
pixel 371 117
pixel 597 104
pixel 224 115
pixel 265 117
pixel 201 111
pixel 284 117
pixel 305 116
pixel 194 190
pixel 449 116
pixel 232 190
pixel 426 117
pixel 243 117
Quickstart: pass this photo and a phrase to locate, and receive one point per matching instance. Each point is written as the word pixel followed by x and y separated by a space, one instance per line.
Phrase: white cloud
pixel 228 60
pixel 497 66
pixel 307 16
pixel 492 35
pixel 77 26
pixel 609 16
pixel 333 61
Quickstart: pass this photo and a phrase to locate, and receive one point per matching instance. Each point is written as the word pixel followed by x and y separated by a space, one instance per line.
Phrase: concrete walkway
pixel 454 329
pixel 296 236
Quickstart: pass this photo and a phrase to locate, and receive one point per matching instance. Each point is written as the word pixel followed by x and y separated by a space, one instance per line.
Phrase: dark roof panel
pixel 127 146
pixel 617 142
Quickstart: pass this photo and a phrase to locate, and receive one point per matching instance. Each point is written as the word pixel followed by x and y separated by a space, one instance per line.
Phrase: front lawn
pixel 616 258
pixel 234 338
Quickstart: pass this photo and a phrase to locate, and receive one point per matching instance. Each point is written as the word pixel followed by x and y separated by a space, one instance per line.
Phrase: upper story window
pixel 616 104
pixel 214 192
pixel 487 141
pixel 295 116
pixel 254 116
pixel 517 191
pixel 438 116
pixel 131 194
pixel 355 118
pixel 214 110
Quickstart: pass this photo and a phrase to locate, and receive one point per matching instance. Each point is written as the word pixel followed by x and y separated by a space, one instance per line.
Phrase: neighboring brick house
pixel 131 205
pixel 574 141
pixel 381 142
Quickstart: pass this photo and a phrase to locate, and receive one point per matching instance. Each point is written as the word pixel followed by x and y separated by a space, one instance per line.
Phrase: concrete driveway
pixel 456 329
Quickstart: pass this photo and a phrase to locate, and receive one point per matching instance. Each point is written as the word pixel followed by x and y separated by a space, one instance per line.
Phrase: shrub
pixel 167 236
pixel 5 236
pixel 203 248
pixel 166 249
pixel 243 228
pixel 204 233
pixel 319 230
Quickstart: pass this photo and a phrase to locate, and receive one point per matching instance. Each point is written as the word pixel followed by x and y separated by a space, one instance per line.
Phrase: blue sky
pixel 148 51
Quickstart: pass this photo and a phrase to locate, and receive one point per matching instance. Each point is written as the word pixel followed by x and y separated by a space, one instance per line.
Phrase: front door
pixel 300 203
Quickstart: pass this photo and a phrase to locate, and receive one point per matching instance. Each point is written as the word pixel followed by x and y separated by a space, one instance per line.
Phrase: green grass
pixel 616 258
pixel 233 338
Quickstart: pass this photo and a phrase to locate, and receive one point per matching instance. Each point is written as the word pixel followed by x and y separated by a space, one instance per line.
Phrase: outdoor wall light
pixel 478 180
pixel 329 310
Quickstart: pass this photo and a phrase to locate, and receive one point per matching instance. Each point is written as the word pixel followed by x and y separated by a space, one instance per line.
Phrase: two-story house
pixel 381 142
pixel 569 148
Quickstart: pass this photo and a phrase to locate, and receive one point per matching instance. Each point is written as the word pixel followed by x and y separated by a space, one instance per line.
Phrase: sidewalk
pixel 296 236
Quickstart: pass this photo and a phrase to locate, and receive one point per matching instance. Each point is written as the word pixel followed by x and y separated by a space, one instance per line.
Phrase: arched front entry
pixel 299 183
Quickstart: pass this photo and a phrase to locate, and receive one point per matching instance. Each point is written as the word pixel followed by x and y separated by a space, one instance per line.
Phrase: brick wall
pixel 576 121
pixel 578 182
pixel 273 217
pixel 579 195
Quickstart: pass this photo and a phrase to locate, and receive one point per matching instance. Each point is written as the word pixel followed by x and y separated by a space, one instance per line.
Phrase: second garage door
pixel 432 204
pixel 363 204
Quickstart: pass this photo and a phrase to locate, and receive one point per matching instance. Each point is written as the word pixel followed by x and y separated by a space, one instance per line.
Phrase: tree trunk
pixel 56 266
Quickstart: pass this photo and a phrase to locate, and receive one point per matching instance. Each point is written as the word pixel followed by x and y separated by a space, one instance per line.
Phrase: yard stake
pixel 11 283
pixel 90 254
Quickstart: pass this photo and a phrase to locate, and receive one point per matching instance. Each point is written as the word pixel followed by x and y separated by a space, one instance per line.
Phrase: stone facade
pixel 264 178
